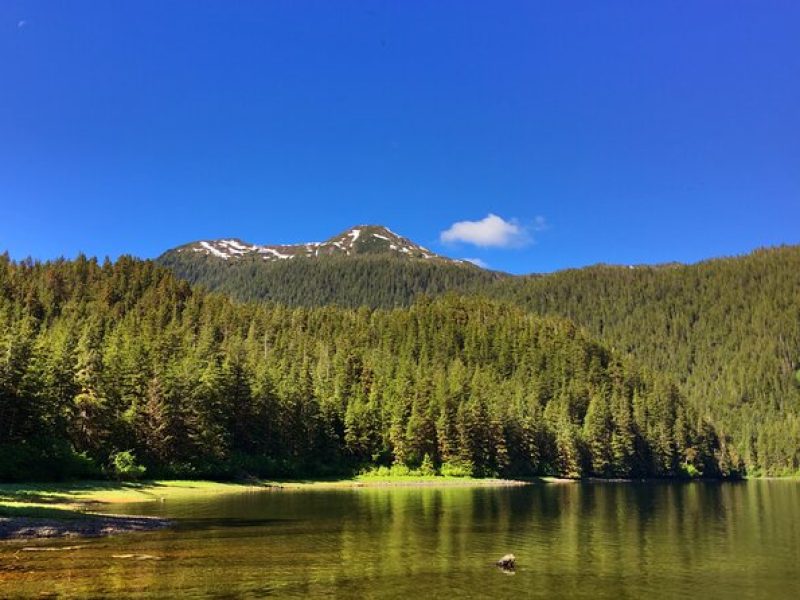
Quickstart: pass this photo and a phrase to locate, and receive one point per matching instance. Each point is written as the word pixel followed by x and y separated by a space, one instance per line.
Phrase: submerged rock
pixel 507 563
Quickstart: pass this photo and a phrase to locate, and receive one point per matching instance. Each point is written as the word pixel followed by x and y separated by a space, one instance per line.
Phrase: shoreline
pixel 408 482
pixel 75 509
pixel 90 525
pixel 30 511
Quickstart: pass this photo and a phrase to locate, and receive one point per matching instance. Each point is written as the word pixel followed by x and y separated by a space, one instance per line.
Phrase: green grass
pixel 69 500
pixel 29 510
pixel 91 495
pixel 376 477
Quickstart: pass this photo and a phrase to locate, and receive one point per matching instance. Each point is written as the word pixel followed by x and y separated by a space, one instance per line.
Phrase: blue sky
pixel 620 132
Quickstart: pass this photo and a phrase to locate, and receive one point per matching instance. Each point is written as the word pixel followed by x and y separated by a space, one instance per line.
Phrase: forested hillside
pixel 101 360
pixel 376 281
pixel 727 331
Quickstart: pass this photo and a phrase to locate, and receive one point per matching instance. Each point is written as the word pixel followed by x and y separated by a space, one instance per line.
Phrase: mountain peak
pixel 357 240
pixel 378 239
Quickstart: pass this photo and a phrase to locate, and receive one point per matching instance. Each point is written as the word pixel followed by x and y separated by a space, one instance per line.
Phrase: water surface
pixel 590 540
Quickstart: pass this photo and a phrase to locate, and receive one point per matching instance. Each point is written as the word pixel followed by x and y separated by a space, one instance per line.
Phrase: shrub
pixel 400 470
pixel 426 469
pixel 125 466
pixel 41 459
pixel 690 471
pixel 460 468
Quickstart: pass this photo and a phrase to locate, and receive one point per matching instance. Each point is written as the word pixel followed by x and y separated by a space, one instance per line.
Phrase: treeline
pixel 122 360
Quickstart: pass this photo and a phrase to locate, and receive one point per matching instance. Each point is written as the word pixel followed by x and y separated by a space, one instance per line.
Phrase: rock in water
pixel 508 562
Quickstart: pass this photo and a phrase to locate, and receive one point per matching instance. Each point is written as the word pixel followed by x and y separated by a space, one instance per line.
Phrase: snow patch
pixel 214 251
pixel 235 244
pixel 273 252
pixel 390 232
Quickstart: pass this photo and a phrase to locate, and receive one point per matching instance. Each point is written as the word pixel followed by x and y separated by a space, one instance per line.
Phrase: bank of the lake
pixel 72 509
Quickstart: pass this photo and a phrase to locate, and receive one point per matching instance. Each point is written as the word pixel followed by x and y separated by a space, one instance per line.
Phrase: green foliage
pixel 457 468
pixel 125 466
pixel 426 469
pixel 400 471
pixel 193 384
pixel 384 472
pixel 690 471
pixel 725 332
pixel 44 460
pixel 353 281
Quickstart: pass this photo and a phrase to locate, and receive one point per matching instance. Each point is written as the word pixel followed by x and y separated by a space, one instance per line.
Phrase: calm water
pixel 659 540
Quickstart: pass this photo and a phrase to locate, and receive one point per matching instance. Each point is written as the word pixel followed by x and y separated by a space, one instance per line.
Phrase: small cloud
pixel 490 231
pixel 477 261
pixel 22 23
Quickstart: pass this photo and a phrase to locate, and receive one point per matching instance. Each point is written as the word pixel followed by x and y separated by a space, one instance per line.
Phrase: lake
pixel 578 540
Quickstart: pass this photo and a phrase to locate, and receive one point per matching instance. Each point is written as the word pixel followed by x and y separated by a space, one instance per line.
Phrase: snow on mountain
pixel 359 240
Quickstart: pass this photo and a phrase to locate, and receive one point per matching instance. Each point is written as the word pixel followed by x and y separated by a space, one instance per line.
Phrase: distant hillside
pixel 367 265
pixel 727 330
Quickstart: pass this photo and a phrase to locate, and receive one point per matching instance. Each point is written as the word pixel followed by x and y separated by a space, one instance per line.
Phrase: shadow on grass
pixel 64 492
pixel 41 512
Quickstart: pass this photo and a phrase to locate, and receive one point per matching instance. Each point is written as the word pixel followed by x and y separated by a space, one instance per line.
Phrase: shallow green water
pixel 611 540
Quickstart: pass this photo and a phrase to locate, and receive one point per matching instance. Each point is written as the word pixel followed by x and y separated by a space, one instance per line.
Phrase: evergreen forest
pixel 123 363
pixel 725 331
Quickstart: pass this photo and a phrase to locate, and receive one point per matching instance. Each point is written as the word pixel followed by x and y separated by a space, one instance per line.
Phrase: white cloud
pixel 478 262
pixel 490 231
pixel 21 24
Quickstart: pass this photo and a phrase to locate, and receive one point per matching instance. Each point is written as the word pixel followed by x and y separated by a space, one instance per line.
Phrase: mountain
pixel 726 330
pixel 356 241
pixel 366 265
pixel 675 369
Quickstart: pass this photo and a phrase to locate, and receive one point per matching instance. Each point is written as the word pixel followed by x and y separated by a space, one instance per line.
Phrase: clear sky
pixel 620 132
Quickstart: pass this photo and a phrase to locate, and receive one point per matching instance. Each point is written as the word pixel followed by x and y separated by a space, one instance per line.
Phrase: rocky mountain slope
pixel 356 241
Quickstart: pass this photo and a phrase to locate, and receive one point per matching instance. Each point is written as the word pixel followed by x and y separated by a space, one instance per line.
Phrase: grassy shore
pixel 76 508
pixel 91 495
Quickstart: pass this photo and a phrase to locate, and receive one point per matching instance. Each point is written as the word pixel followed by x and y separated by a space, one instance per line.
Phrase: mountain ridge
pixel 357 240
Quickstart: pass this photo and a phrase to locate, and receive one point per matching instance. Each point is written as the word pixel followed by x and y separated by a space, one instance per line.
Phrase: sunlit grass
pixel 69 499
pixel 39 499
